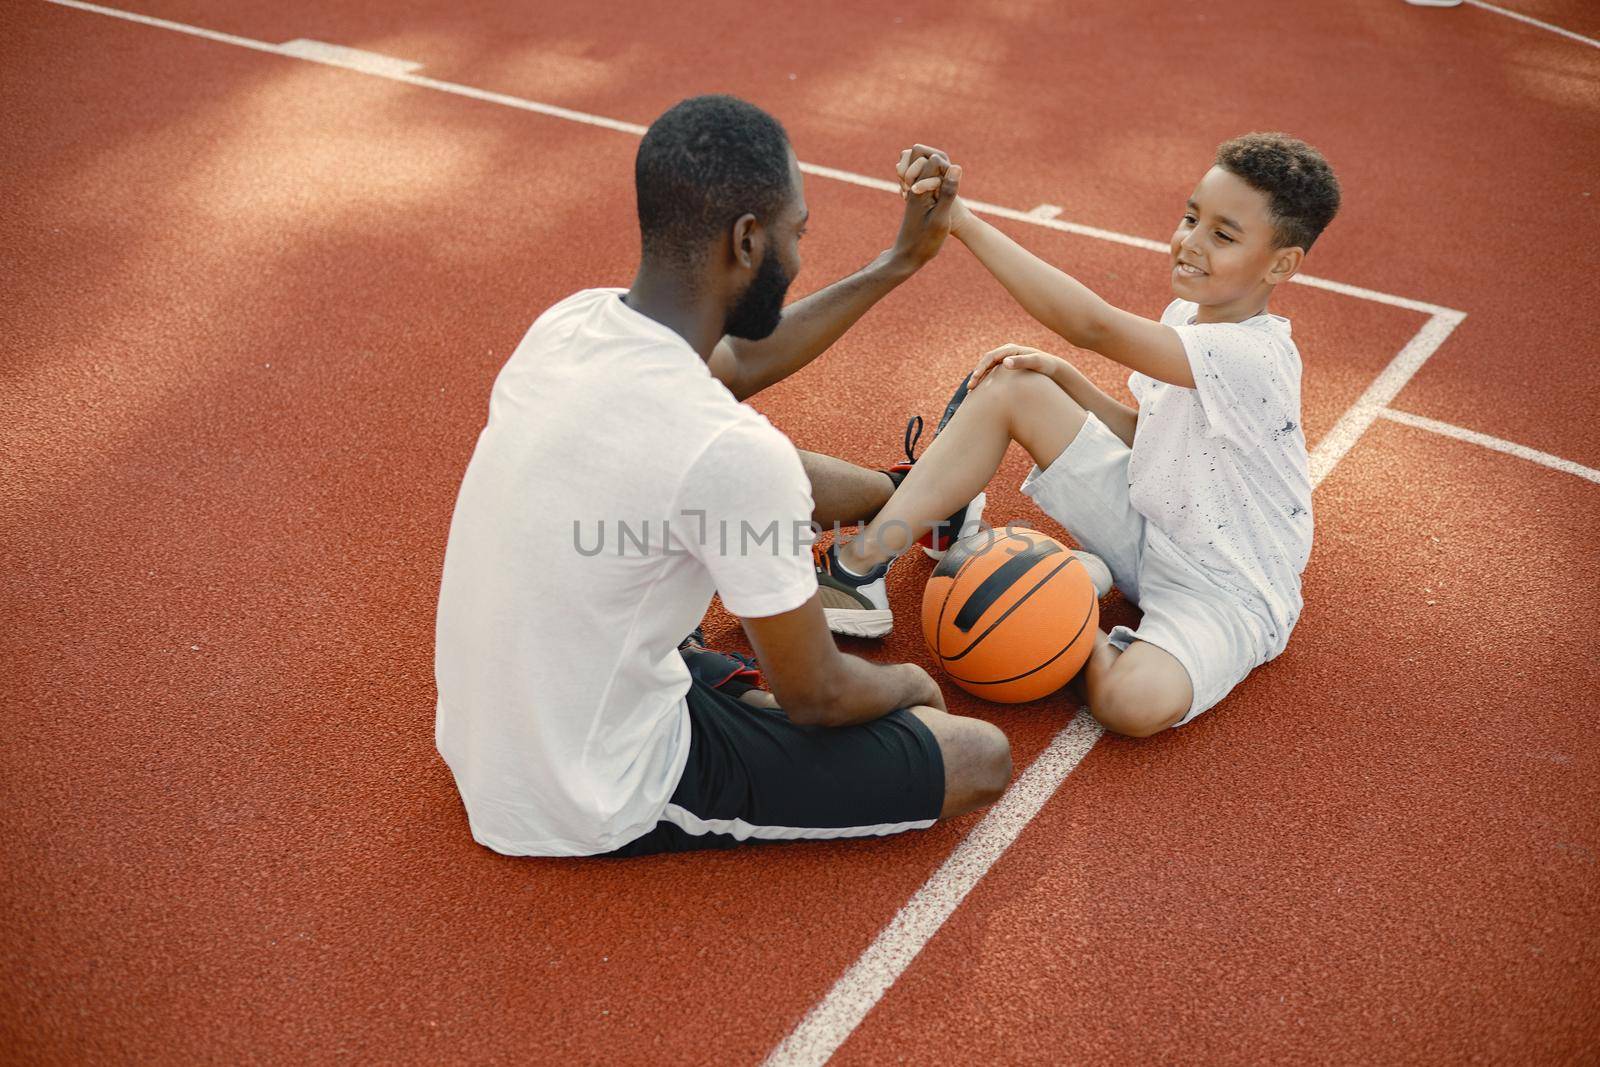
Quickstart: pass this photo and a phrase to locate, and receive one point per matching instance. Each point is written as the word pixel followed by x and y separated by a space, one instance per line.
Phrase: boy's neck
pixel 1246 307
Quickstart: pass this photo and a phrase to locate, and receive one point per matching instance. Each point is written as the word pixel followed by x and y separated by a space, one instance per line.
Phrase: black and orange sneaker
pixel 969 519
pixel 730 672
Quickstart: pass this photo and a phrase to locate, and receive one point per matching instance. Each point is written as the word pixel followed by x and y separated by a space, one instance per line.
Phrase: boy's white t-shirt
pixel 1221 469
pixel 616 485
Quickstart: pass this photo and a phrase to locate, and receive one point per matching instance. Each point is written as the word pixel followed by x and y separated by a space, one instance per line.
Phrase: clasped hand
pixel 929 184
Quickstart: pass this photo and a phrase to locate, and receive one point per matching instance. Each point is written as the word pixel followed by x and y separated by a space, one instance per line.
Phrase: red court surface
pixel 253 308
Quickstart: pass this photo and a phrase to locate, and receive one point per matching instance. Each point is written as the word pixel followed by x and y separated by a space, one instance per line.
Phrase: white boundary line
pixel 1510 448
pixel 827 1026
pixel 1520 17
pixel 833 1020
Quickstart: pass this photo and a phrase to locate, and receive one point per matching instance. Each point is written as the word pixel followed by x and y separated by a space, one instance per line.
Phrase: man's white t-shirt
pixel 1221 469
pixel 616 485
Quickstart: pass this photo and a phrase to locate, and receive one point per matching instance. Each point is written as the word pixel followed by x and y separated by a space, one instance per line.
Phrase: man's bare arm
pixel 808 327
pixel 811 325
pixel 817 685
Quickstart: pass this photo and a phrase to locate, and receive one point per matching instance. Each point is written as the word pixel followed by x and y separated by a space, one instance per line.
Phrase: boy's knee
pixel 1016 382
pixel 1127 707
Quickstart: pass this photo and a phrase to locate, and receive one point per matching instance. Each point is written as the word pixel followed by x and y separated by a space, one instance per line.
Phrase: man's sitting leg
pixel 754 775
pixel 977 760
pixel 843 494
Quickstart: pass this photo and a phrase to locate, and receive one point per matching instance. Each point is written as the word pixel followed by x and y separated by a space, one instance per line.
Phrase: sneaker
pixel 966 521
pixel 855 606
pixel 735 673
pixel 1099 573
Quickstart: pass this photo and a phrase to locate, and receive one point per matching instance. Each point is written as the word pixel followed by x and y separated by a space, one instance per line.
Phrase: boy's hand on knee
pixel 1016 357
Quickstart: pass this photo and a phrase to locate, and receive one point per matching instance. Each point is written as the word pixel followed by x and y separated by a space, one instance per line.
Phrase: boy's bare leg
pixel 1137 692
pixel 1008 405
pixel 842 492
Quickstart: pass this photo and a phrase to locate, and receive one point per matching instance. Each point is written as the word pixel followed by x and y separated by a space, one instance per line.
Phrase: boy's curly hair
pixel 1303 194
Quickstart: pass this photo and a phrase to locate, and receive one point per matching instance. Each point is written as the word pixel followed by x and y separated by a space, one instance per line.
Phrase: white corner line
pixel 1384 388
pixel 399 70
pixel 837 1015
pixel 1510 448
pixel 1045 211
pixel 1520 17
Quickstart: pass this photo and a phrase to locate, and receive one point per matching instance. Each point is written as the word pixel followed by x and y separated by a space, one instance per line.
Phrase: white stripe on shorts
pixel 691 823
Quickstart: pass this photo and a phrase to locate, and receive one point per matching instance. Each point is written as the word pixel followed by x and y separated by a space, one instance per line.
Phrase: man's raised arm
pixel 810 325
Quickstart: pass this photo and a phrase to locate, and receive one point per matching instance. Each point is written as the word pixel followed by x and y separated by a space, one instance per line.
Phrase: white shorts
pixel 1208 628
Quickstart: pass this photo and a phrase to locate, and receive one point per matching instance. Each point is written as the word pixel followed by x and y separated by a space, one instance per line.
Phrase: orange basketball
pixel 1010 614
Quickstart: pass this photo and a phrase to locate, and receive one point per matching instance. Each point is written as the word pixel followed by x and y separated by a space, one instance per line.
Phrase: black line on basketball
pixel 1004 577
pixel 976 641
pixel 955 557
pixel 1001 681
pixel 965 560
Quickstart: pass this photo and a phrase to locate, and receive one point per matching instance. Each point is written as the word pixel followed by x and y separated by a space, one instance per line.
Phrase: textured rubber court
pixel 253 304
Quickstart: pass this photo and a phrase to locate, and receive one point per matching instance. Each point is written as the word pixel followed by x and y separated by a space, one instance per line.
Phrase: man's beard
pixel 760 306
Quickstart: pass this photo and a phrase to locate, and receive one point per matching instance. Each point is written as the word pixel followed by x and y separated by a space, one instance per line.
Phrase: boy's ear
pixel 1284 264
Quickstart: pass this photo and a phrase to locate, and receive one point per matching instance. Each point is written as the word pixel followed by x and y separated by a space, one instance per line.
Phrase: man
pixel 618 483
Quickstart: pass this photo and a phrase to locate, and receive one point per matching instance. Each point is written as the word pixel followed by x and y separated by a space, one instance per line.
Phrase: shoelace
pixel 913 435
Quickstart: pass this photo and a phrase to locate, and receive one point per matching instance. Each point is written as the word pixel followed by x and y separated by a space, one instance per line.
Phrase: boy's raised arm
pixel 1052 296
pixel 1071 308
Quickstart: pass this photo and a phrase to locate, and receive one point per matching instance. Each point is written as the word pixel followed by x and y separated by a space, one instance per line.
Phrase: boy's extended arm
pixel 1071 309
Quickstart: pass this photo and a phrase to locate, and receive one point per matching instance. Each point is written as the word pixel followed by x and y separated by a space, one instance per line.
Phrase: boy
pixel 1199 499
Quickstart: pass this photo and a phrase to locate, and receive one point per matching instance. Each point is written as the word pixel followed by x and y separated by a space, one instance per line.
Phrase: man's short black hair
pixel 701 165
pixel 1302 192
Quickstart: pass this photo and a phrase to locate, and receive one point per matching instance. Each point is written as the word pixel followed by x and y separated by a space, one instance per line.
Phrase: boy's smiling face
pixel 1225 255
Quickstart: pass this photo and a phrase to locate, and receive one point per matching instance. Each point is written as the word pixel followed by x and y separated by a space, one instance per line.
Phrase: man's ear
pixel 748 240
pixel 1284 264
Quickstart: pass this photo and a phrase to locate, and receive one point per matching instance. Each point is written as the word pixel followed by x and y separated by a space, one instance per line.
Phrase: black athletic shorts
pixel 754 776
